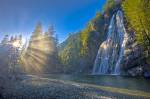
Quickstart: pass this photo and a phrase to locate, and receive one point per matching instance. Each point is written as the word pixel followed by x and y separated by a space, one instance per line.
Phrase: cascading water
pixel 111 51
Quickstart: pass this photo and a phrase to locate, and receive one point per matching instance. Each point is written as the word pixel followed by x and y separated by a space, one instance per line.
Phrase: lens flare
pixel 16 44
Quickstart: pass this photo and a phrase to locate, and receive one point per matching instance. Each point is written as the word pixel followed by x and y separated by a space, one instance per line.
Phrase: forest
pixel 108 59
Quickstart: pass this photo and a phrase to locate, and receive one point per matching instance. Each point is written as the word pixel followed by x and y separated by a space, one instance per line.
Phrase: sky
pixel 67 16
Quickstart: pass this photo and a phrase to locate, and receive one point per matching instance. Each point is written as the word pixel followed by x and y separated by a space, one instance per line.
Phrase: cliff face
pixel 134 60
pixel 137 55
pixel 120 53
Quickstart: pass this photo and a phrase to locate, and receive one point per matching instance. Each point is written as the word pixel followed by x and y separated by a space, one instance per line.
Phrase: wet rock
pixel 147 74
pixel 147 70
pixel 131 62
pixel 137 71
pixel 134 61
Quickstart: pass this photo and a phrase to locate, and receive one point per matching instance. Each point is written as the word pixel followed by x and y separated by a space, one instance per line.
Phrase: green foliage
pixel 5 40
pixel 85 34
pixel 109 4
pixel 69 54
pixel 80 49
pixel 138 16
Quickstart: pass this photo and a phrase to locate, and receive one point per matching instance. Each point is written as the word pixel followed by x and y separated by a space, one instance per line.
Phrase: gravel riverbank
pixel 45 88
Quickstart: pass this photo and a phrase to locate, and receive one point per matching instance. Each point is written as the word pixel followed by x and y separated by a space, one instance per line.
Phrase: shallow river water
pixel 133 83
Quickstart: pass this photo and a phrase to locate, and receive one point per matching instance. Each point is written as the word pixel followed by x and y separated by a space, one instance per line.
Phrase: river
pixel 133 83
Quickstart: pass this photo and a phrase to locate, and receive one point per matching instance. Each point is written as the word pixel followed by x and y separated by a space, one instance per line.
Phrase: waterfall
pixel 111 51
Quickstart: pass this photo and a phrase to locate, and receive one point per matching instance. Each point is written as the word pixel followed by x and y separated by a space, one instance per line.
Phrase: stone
pixel 137 71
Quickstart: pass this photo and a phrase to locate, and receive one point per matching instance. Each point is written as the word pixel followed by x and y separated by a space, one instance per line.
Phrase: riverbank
pixel 35 87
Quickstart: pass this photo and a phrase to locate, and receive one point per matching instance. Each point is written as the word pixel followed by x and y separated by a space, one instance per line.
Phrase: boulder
pixel 137 71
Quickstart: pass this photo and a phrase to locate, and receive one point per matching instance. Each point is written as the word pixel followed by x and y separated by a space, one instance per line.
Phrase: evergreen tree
pixel 51 46
pixel 51 31
pixel 56 40
pixel 38 29
pixel 34 57
pixel 41 54
pixel 15 37
pixel 5 40
pixel 20 37
pixel 11 38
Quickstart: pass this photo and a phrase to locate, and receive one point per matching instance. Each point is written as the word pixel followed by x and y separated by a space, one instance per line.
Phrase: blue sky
pixel 67 16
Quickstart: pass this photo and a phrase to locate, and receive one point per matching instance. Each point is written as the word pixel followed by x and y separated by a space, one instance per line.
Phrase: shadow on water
pixel 127 82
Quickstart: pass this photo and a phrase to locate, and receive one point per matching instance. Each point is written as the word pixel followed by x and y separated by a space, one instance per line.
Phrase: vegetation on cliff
pixel 137 13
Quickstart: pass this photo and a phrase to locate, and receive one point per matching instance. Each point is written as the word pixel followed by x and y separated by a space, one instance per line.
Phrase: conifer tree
pixel 11 38
pixel 5 40
pixel 41 54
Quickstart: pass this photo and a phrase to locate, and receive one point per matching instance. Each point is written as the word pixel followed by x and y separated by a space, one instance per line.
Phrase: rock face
pixel 134 62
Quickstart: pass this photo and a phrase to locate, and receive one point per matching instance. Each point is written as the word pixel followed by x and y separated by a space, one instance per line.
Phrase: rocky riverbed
pixel 45 88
